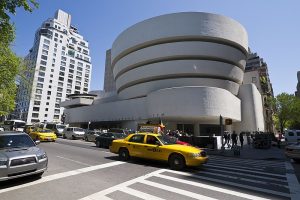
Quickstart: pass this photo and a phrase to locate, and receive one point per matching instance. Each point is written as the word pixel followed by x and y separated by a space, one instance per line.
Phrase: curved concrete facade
pixel 193 49
pixel 185 68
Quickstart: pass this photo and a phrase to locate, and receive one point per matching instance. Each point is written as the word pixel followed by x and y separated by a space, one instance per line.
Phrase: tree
pixel 287 108
pixel 10 64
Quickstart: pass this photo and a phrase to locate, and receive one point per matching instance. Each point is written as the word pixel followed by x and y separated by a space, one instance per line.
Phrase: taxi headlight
pixel 41 156
pixel 3 162
pixel 194 155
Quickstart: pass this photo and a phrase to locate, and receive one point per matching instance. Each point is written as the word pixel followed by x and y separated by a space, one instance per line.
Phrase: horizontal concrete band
pixel 180 69
pixel 189 25
pixel 143 89
pixel 180 50
pixel 193 103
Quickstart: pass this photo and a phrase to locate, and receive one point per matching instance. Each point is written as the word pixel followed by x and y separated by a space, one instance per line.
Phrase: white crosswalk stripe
pixel 215 178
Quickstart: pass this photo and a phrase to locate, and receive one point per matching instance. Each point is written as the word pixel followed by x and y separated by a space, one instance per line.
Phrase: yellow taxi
pixel 155 147
pixel 43 135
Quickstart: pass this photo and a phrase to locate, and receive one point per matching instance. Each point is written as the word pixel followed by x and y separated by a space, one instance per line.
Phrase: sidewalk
pixel 248 152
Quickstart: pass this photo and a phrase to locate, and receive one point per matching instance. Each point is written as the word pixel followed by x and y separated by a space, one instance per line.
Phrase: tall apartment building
pixel 297 93
pixel 256 72
pixel 61 65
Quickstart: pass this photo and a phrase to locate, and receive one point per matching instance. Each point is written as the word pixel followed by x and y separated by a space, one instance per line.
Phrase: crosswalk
pixel 221 178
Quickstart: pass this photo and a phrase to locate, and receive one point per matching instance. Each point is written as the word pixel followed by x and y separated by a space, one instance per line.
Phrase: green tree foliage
pixel 10 64
pixel 287 108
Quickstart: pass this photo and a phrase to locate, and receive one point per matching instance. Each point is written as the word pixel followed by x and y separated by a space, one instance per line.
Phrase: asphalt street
pixel 79 170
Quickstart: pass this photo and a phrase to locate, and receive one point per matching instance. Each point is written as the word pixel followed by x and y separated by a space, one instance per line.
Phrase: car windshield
pixel 45 131
pixel 167 139
pixel 60 126
pixel 15 141
pixel 78 129
pixel 119 135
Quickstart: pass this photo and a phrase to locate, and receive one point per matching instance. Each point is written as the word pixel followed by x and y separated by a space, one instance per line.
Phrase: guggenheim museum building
pixel 185 69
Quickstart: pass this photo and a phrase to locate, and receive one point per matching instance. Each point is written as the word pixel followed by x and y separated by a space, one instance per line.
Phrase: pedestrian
pixel 248 139
pixel 241 137
pixel 228 140
pixel 234 139
pixel 225 138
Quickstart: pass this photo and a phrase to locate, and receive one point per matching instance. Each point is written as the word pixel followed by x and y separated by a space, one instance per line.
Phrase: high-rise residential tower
pixel 61 65
pixel 256 72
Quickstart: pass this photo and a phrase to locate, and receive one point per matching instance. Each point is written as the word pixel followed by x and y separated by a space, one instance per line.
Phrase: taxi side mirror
pixel 37 142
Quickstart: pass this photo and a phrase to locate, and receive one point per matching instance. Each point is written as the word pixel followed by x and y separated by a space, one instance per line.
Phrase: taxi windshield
pixel 167 140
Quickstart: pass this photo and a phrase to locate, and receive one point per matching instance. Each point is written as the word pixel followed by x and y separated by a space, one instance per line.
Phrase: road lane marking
pixel 210 187
pixel 139 194
pixel 73 160
pixel 243 170
pixel 101 194
pixel 243 179
pixel 63 175
pixel 260 164
pixel 247 175
pixel 233 184
pixel 293 182
pixel 176 190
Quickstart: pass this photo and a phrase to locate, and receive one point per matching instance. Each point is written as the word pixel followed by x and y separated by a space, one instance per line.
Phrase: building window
pixel 56 111
pixel 62 73
pixel 50 86
pixel 43 62
pixel 77 87
pixel 61 78
pixel 39 85
pixel 79 68
pixel 80 64
pixel 63 58
pixel 59 94
pixel 51 75
pixel 60 84
pixel 71 66
pixel 46 115
pixel 35 115
pixel 63 63
pixel 45 47
pixel 48 98
pixel 47 103
pixel 46 41
pixel 68 91
pixel 38 97
pixel 52 70
pixel 42 74
pixel 79 73
pixel 45 52
pixel 57 105
pixel 38 91
pixel 56 35
pixel 59 89
pixel 88 66
pixel 72 61
pixel 56 117
pixel 62 68
pixel 37 103
pixel 36 109
pixel 253 79
pixel 40 79
pixel 42 68
pixel 48 92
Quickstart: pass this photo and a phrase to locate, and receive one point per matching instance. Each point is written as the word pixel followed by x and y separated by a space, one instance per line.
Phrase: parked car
pixel 154 147
pixel 57 128
pixel 91 135
pixel 292 136
pixel 73 133
pixel 293 151
pixel 43 135
pixel 20 156
pixel 105 139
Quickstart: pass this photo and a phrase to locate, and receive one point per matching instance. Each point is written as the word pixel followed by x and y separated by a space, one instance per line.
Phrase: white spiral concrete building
pixel 182 67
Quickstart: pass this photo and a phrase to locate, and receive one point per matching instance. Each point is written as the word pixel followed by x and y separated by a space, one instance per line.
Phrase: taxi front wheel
pixel 124 154
pixel 177 162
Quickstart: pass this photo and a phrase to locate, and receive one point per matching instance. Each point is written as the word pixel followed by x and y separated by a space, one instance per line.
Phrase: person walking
pixel 225 138
pixel 241 137
pixel 234 139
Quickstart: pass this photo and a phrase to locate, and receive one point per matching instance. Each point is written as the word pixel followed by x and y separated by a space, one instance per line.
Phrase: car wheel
pixel 86 139
pixel 124 154
pixel 176 162
pixel 64 136
pixel 98 144
pixel 73 137
pixel 39 175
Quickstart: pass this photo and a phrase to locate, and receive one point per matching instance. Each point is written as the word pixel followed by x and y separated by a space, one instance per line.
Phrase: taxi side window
pixel 151 139
pixel 291 134
pixel 137 139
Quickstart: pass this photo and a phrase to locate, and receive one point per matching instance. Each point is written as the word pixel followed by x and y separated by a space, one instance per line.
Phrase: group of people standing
pixel 231 139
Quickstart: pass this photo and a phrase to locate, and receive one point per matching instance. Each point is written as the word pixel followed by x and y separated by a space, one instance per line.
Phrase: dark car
pixel 105 139
pixel 20 156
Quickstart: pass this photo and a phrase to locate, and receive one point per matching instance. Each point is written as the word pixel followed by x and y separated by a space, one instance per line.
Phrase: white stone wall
pixel 252 110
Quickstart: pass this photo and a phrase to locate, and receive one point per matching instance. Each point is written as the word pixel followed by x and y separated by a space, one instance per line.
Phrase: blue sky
pixel 273 28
